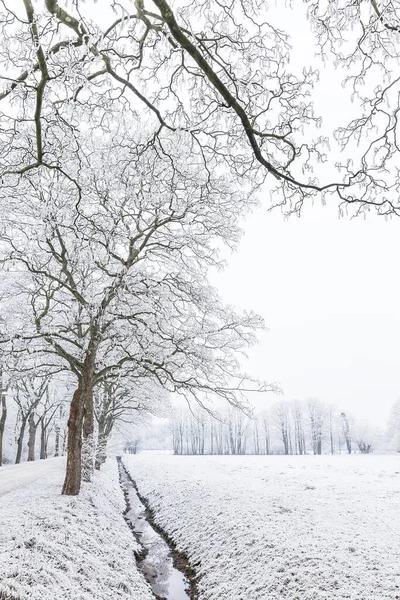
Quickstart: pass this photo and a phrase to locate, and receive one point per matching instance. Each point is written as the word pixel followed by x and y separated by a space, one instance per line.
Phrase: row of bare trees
pixel 313 426
pixel 34 409
pixel 298 427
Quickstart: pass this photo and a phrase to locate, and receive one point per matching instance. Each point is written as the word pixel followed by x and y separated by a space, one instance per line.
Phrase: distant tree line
pixel 132 446
pixel 288 427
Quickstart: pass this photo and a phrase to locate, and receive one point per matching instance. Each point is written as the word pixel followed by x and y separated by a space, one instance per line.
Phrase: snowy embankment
pixel 66 548
pixel 263 528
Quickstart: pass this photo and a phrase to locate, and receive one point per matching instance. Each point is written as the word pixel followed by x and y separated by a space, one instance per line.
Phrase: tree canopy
pixel 218 71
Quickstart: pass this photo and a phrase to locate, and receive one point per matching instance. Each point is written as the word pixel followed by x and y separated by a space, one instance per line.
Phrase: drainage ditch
pixel 167 571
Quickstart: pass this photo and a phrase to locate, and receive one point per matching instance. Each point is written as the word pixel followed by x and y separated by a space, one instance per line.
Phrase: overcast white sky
pixel 329 291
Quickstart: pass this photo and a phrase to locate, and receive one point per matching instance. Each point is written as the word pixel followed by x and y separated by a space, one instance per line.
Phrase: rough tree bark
pixel 57 442
pixel 3 417
pixel 20 441
pixel 2 423
pixel 32 437
pixel 88 448
pixel 105 427
pixel 80 423
pixel 43 440
pixel 102 439
pixel 64 441
pixel 72 482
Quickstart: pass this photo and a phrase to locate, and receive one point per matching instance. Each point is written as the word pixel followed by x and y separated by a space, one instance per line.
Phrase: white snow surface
pixel 269 527
pixel 13 477
pixel 65 547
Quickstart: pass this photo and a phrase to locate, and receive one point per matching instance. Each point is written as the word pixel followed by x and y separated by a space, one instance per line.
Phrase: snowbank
pixel 54 547
pixel 263 528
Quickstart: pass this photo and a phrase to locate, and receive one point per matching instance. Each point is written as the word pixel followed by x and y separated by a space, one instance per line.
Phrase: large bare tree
pixel 116 275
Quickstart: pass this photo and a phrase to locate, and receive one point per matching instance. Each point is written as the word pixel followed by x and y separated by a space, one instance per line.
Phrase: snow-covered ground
pixel 13 477
pixel 65 548
pixel 263 528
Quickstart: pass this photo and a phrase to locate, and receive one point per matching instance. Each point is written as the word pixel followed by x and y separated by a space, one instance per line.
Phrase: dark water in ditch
pixel 167 582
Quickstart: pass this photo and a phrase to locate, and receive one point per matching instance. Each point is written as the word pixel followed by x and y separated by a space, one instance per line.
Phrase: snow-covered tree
pixel 362 39
pixel 49 411
pixel 266 430
pixel 116 277
pixel 281 418
pixel 28 392
pixel 223 76
pixel 238 427
pixel 132 446
pixel 347 426
pixel 124 401
pixel 299 427
pixel 3 407
pixel 317 414
pixel 365 437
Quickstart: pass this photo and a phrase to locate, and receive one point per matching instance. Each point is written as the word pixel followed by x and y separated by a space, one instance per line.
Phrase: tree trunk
pixel 57 443
pixel 88 448
pixel 72 482
pixel 20 441
pixel 101 446
pixel 32 437
pixel 80 422
pixel 64 442
pixel 285 442
pixel 46 441
pixel 43 453
pixel 2 421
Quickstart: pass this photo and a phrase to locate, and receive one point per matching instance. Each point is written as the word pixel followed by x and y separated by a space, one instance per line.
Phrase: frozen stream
pixel 167 582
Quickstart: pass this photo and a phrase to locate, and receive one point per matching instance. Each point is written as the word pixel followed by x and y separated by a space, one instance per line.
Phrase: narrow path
pixel 158 561
pixel 13 477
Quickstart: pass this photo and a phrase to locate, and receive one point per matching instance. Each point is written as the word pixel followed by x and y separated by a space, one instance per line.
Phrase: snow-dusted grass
pixel 263 528
pixel 54 547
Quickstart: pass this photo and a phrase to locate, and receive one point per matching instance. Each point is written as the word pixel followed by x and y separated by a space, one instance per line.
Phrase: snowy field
pixel 54 547
pixel 263 528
